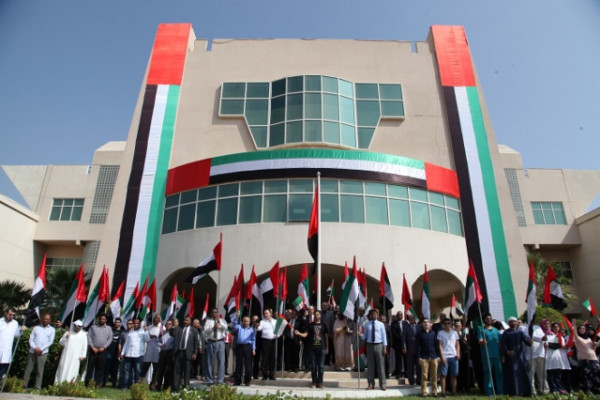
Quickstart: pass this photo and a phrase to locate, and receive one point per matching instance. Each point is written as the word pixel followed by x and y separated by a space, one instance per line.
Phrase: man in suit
pixel 409 349
pixel 292 341
pixel 185 348
pixel 396 327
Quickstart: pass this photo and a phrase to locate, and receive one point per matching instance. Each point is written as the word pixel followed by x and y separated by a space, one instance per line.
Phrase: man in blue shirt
pixel 40 340
pixel 245 348
pixel 376 338
pixel 428 353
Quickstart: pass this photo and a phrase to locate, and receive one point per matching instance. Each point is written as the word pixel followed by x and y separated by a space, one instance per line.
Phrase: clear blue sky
pixel 71 71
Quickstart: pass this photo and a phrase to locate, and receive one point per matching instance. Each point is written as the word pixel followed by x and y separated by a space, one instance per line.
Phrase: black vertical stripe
pixel 133 189
pixel 466 193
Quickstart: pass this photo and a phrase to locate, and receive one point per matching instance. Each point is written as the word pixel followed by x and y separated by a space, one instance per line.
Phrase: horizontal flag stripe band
pixel 305 163
pixel 312 163
pixel 311 173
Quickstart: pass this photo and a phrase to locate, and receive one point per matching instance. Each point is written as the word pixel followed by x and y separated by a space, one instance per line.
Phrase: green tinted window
pixel 375 188
pixel 417 194
pixel 250 209
pixel 313 105
pixel 170 220
pixel 330 210
pixel 277 135
pixel 259 133
pixel 420 215
pixel 348 135
pixel 277 109
pixel 367 112
pixel 257 112
pixel 189 196
pixel 331 107
pixel 392 108
pixel 376 210
pixel 313 83
pixel 275 208
pixel 294 106
pixel 352 208
pixel 300 206
pixel 207 193
pixel 438 219
pixel 390 91
pixel 295 84
pixel 230 189
pixel 293 132
pixel 279 186
pixel 205 216
pixel 366 91
pixel 351 187
pixel 347 110
pixel 251 187
pixel 331 133
pixel 232 107
pixel 454 223
pixel 278 88
pixel 312 131
pixel 257 90
pixel 330 84
pixel 227 211
pixel 329 186
pixel 172 200
pixel 346 88
pixel 399 212
pixel 234 90
pixel 187 216
pixel 365 135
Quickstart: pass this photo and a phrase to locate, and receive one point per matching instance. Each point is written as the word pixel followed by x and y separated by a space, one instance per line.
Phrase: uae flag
pixel 455 307
pixel 280 325
pixel 589 305
pixel 531 298
pixel 253 292
pixel 190 306
pixel 385 290
pixel 472 293
pixel 553 294
pixel 407 299
pixel 205 310
pixel 298 303
pixel 269 288
pixel 149 301
pixel 97 299
pixel 172 309
pixel 283 292
pixel 361 355
pixel 182 307
pixel 209 264
pixel 303 286
pixel 128 309
pixel 313 232
pixel 350 295
pixel 32 314
pixel 75 307
pixel 115 303
pixel 425 304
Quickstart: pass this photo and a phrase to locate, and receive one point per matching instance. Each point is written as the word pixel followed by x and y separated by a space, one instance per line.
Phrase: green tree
pixel 563 276
pixel 14 294
pixel 58 284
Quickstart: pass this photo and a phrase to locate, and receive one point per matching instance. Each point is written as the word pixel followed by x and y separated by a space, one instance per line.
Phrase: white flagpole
pixel 319 240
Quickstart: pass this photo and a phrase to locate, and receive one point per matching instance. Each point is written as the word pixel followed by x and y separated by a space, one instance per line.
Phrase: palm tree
pixel 14 294
pixel 58 284
pixel 563 277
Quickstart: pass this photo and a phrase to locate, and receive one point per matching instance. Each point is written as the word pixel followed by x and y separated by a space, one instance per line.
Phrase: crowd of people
pixel 497 358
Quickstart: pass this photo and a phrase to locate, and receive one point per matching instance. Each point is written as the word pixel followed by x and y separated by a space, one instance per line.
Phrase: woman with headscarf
pixel 342 340
pixel 554 359
pixel 588 362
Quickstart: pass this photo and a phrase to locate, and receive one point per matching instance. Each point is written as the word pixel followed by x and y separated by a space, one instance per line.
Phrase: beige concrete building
pixel 228 137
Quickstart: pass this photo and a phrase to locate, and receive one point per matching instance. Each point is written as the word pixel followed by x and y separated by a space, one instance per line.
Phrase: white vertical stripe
pixel 142 216
pixel 488 256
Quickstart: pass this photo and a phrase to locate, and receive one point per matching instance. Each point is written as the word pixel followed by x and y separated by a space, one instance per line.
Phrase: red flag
pixel 313 231
pixel 346 272
pixel 241 278
pixel 552 291
pixel 103 292
pixel 406 297
pixel 81 292
pixel 274 278
pixel 120 291
pixel 174 294
pixel 205 311
pixel 152 296
pixel 283 283
pixel 251 284
pixel 140 297
pixel 191 304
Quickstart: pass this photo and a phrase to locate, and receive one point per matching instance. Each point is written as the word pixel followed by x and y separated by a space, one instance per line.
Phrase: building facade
pixel 228 137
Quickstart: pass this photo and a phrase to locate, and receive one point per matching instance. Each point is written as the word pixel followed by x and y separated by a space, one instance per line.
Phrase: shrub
pixel 13 384
pixel 17 368
pixel 139 391
pixel 71 389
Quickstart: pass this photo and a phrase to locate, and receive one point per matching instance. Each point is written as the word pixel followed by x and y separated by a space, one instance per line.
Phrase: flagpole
pixel 487 353
pixel 219 277
pixel 319 240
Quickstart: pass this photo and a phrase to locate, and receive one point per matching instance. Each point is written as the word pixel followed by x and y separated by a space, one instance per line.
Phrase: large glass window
pixel 312 108
pixel 290 200
pixel 548 213
pixel 66 210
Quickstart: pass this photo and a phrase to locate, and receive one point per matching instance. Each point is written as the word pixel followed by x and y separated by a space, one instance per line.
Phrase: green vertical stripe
pixel 160 180
pixel 491 194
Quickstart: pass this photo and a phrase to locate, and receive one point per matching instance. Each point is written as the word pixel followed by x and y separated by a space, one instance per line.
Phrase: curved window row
pixel 312 108
pixel 291 201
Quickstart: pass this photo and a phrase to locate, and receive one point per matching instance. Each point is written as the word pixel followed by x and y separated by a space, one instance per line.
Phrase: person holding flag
pixel 215 329
pixel 588 361
pixel 245 349
pixel 316 337
pixel 9 331
pixel 489 340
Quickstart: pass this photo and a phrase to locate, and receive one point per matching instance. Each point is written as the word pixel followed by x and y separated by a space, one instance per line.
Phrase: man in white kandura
pixel 74 352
